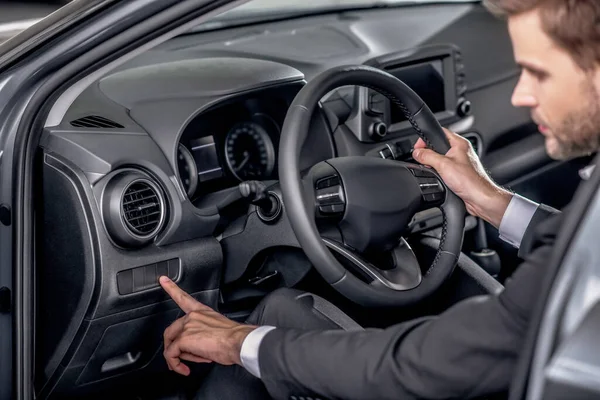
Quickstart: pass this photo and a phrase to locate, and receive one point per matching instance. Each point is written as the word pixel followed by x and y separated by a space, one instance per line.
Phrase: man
pixel 471 349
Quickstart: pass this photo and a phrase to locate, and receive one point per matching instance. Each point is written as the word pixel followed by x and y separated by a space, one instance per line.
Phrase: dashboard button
pixel 377 103
pixel 125 281
pixel 174 269
pixel 138 279
pixel 150 278
pixel 378 130
pixel 162 269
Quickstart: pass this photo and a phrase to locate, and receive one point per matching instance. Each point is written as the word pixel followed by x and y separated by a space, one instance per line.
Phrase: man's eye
pixel 539 75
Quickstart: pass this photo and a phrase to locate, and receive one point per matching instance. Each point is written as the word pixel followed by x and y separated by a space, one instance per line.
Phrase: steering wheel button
pixel 332 209
pixel 326 209
pixel 439 196
pixel 330 195
pixel 321 184
pixel 422 173
pixel 430 185
pixel 429 198
pixel 338 208
pixel 333 181
pixel 328 182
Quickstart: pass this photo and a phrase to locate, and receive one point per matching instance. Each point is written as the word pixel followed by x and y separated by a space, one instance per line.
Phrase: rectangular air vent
pixel 95 121
pixel 475 140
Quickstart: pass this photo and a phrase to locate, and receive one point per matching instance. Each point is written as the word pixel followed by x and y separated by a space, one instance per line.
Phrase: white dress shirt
pixel 250 346
pixel 512 229
pixel 516 219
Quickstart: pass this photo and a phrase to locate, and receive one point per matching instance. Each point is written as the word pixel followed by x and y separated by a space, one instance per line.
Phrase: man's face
pixel 564 99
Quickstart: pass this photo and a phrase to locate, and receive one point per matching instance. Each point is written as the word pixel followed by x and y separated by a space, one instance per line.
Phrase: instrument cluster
pixel 230 144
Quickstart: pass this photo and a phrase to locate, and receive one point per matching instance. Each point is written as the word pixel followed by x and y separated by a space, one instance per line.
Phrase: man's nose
pixel 522 96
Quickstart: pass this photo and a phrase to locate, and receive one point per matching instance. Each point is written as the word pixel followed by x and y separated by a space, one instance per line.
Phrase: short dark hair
pixel 573 25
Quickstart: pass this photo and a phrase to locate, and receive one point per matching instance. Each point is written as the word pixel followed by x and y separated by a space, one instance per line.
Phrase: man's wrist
pixel 239 335
pixel 494 205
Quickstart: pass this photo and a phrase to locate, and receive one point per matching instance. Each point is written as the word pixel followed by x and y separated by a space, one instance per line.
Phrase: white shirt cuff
pixel 516 219
pixel 250 347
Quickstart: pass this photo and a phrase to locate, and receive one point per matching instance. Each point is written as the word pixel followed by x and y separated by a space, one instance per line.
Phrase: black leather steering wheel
pixel 347 210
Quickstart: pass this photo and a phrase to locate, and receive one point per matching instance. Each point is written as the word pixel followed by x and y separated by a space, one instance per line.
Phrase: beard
pixel 579 133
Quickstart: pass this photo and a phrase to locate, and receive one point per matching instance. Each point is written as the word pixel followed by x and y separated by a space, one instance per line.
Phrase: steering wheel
pixel 348 210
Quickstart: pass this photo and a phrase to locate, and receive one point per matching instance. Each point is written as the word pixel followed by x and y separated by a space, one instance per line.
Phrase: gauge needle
pixel 244 161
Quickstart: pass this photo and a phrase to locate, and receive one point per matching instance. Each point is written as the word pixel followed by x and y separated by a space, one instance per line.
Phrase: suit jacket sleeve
pixel 532 234
pixel 468 351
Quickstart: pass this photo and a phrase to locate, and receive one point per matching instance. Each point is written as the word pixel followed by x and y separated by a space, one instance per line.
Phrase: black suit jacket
pixel 468 351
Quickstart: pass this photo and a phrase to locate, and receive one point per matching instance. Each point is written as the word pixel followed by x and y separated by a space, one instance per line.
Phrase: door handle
pixel 124 360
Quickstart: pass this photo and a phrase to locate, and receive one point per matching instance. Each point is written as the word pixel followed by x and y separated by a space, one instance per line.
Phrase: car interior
pixel 177 163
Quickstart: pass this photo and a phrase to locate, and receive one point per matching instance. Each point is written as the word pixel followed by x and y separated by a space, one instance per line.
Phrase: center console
pixel 435 73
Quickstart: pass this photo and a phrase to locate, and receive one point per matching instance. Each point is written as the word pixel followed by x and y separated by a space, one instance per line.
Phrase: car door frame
pixel 551 325
pixel 35 68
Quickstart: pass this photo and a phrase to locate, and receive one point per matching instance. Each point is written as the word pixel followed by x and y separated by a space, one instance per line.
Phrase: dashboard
pixel 237 140
pixel 198 128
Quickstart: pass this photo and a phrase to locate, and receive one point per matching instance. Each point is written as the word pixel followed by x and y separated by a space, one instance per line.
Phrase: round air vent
pixel 134 209
pixel 142 208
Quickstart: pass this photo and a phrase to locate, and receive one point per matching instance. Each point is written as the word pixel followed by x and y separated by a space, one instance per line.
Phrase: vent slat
pixel 137 200
pixel 141 207
pixel 134 192
pixel 146 224
pixel 95 121
pixel 143 216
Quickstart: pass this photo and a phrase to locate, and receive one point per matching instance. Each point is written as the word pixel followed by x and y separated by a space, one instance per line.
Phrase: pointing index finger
pixel 186 302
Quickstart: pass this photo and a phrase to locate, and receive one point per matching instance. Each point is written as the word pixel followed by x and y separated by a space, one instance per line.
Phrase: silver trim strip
pixel 18 26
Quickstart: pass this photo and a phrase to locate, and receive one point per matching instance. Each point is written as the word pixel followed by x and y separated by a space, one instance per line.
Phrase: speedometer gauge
pixel 249 152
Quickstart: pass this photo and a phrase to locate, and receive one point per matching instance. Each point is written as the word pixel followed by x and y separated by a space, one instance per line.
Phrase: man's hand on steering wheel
pixel 464 174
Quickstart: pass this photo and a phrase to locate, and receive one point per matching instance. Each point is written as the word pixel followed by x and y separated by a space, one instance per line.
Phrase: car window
pixel 257 10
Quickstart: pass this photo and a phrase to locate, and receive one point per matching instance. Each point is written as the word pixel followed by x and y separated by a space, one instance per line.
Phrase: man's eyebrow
pixel 535 69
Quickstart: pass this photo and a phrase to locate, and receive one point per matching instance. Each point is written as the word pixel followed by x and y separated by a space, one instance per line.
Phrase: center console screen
pixel 427 80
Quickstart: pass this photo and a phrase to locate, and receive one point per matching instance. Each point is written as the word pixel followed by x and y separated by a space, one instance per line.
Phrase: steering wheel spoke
pixel 404 273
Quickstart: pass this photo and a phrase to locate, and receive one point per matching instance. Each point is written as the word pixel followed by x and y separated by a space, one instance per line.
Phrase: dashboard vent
pixel 475 141
pixel 142 208
pixel 95 121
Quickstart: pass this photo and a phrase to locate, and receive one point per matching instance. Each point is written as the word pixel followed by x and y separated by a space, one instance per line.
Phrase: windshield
pixel 258 10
